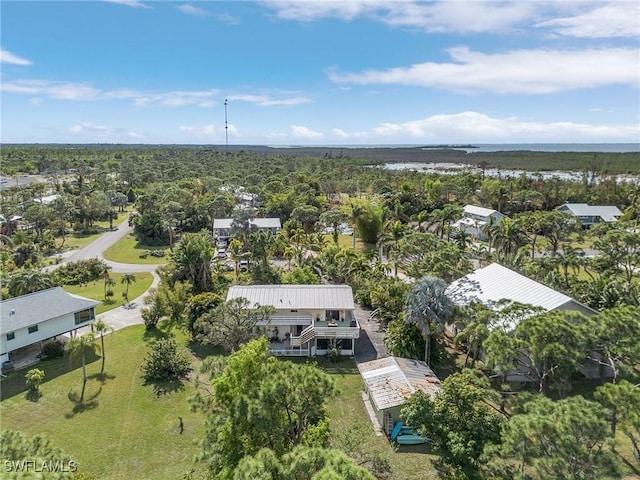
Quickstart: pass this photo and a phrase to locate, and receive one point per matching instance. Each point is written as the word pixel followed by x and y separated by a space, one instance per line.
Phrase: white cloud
pixel 265 101
pixel 130 3
pixel 518 71
pixel 298 131
pixel 479 127
pixel 191 10
pixel 444 16
pixel 89 131
pixel 615 19
pixel 8 57
pixel 35 101
pixel 207 133
pixel 338 132
pixel 176 98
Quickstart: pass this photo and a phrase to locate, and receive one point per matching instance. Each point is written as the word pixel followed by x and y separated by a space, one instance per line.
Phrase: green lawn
pixel 124 430
pixel 95 290
pixel 347 414
pixel 128 250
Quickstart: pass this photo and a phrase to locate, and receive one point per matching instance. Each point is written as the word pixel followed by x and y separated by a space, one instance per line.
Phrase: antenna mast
pixel 226 129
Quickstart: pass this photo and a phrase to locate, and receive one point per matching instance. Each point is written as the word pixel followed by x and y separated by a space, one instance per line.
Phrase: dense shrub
pixel 82 271
pixel 165 362
pixel 53 349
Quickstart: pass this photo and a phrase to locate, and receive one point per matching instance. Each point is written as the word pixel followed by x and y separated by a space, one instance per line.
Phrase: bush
pixel 165 362
pixel 53 349
pixel 34 378
pixel 82 271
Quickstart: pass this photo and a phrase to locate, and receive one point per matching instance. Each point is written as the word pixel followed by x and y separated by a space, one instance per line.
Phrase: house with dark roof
pixel 306 318
pixel 37 317
pixel 222 226
pixel 591 214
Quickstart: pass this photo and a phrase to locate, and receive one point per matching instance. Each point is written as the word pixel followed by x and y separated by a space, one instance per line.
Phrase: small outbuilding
pixel 390 382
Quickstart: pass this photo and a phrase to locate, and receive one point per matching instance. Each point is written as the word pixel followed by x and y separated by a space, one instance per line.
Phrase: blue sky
pixel 320 72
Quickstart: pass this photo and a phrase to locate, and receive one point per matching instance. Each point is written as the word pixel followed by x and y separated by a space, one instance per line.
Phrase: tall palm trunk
pixel 84 376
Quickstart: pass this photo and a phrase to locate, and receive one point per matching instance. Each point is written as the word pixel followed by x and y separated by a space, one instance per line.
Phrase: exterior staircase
pixel 305 336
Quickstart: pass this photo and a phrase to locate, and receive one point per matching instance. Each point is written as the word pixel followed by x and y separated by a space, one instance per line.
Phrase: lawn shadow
pixel 204 350
pixel 154 333
pixel 89 402
pixel 14 382
pixel 101 377
pixel 33 395
pixel 166 387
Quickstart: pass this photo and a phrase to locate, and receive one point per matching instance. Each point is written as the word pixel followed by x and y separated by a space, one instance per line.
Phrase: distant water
pixel 554 147
pixel 499 147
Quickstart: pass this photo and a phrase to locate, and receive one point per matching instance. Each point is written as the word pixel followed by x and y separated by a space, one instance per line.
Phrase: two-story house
pixel 475 219
pixel 307 318
pixel 37 317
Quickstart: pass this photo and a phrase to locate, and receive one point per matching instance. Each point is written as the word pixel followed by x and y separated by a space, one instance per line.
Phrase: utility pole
pixel 226 129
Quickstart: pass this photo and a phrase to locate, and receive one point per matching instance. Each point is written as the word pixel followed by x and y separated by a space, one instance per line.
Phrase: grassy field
pixel 128 250
pixel 124 430
pixel 95 290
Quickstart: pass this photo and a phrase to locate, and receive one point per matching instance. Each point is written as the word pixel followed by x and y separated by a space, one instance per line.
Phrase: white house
pixel 474 219
pixel 495 283
pixel 390 382
pixel 39 316
pixel 222 226
pixel 591 214
pixel 307 318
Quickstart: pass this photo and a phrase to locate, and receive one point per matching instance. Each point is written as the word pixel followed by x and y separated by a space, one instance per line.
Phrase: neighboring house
pixel 493 283
pixel 307 318
pixel 591 214
pixel 390 382
pixel 475 219
pixel 37 317
pixel 222 226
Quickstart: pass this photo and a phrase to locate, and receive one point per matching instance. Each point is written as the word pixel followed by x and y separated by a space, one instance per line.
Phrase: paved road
pixel 128 314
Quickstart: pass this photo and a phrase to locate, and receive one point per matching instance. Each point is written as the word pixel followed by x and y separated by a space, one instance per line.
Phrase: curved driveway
pixel 128 314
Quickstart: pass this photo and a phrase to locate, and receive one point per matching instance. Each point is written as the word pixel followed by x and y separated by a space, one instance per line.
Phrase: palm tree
pixel 508 237
pixel 427 305
pixel 192 258
pixel 77 346
pixel 127 279
pixel 394 231
pixel 235 252
pixel 29 281
pixel 101 327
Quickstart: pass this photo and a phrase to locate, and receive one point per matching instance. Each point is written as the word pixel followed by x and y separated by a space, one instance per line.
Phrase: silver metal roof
pixel 258 222
pixel 27 310
pixel 481 211
pixel 391 381
pixel 495 282
pixel 294 297
pixel 608 213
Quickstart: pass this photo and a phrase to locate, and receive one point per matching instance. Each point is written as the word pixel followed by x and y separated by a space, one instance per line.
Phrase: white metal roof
pixel 258 222
pixel 608 213
pixel 294 297
pixel 495 282
pixel 481 211
pixel 391 381
pixel 38 307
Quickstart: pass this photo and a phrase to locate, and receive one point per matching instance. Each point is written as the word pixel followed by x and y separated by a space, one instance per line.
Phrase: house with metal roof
pixel 391 381
pixel 307 320
pixel 475 219
pixel 496 286
pixel 37 317
pixel 222 226
pixel 591 214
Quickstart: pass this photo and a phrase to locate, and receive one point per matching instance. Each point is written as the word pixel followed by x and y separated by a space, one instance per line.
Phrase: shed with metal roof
pixel 391 381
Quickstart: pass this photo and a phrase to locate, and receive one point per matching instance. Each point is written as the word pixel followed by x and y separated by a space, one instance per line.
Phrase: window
pixel 333 315
pixel 84 316
pixel 11 336
pixel 33 329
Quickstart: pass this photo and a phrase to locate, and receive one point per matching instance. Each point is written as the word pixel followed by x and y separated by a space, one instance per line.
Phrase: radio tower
pixel 226 130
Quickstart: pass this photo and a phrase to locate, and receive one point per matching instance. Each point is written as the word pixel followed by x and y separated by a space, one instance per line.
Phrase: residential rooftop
pixel 294 297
